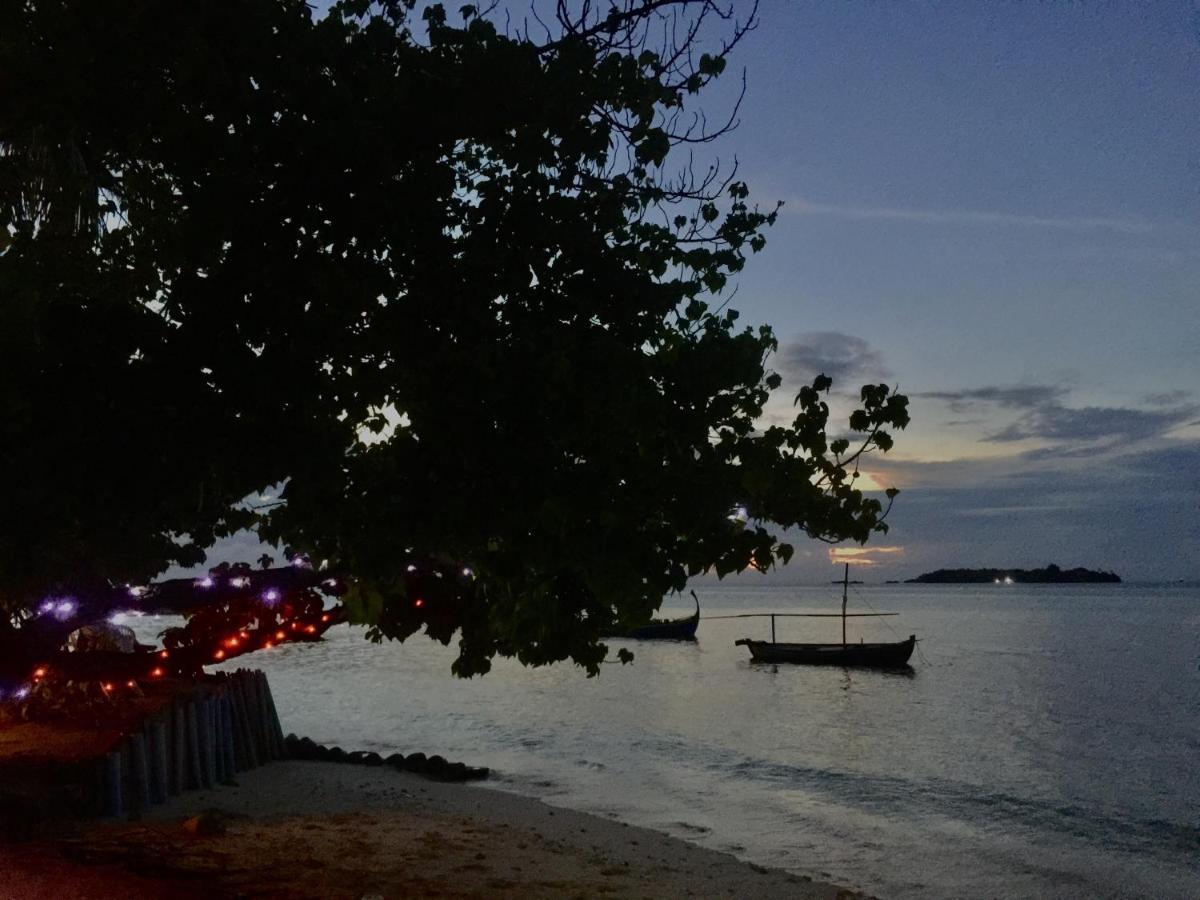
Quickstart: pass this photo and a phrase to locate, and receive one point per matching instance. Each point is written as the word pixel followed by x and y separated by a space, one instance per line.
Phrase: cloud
pixel 843 357
pixel 1017 396
pixel 1168 398
pixel 1092 423
pixel 967 217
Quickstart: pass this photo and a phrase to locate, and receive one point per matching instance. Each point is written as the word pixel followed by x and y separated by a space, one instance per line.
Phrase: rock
pixel 415 762
pixel 310 749
pixel 477 773
pixel 436 765
pixel 396 761
pixel 372 759
pixel 210 823
pixel 333 754
pixel 455 771
pixel 356 756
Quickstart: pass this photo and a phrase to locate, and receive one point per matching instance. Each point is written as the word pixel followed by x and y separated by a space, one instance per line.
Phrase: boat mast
pixel 845 585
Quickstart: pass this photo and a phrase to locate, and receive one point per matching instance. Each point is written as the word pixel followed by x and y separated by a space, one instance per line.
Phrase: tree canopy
pixel 453 282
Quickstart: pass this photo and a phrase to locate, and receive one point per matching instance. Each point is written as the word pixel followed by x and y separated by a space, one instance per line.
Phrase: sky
pixel 996 209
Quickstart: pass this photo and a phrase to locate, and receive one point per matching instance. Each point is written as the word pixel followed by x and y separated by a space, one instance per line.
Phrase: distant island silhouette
pixel 1052 574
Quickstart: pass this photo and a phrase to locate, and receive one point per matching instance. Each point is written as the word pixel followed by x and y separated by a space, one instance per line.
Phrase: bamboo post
pixel 276 724
pixel 209 745
pixel 178 749
pixel 112 784
pixel 228 746
pixel 195 770
pixel 158 760
pixel 772 628
pixel 139 769
pixel 243 723
pixel 262 696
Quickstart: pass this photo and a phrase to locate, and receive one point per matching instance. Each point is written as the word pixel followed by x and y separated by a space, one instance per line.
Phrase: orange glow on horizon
pixel 862 556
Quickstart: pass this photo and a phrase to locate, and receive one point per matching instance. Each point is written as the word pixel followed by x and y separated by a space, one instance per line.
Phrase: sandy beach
pixel 317 830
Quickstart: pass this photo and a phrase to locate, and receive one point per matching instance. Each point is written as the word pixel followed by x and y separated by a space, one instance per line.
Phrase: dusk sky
pixel 995 208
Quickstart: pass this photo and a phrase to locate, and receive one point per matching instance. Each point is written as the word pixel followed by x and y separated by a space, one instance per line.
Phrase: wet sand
pixel 321 830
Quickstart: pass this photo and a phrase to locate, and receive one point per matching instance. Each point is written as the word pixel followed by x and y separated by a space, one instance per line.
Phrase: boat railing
pixel 837 615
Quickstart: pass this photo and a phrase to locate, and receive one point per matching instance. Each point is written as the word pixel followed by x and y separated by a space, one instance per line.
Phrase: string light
pixel 411 568
pixel 271 596
pixel 239 582
pixel 156 672
pixel 205 582
pixel 39 672
pixel 418 603
pixel 220 654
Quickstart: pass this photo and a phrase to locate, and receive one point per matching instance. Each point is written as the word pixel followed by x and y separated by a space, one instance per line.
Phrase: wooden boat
pixel 664 629
pixel 875 656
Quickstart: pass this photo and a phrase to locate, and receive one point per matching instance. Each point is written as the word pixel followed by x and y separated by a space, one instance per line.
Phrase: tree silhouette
pixel 440 279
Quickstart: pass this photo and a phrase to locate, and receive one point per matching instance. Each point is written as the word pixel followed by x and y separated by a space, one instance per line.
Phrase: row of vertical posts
pixel 229 725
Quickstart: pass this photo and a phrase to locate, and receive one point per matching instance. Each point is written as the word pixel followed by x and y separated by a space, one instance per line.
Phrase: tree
pixel 443 285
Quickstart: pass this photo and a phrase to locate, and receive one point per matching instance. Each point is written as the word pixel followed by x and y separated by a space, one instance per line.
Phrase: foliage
pixel 435 276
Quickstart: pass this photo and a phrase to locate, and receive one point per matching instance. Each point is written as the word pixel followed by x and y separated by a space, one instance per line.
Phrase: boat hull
pixel 679 630
pixel 872 656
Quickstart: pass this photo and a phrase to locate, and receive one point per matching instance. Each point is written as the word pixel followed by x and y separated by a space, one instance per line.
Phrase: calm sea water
pixel 1046 744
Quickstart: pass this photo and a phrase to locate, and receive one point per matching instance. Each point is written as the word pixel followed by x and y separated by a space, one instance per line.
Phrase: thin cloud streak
pixel 965 217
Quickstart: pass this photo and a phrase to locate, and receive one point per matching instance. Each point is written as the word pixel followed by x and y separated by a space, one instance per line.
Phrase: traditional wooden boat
pixel 875 656
pixel 664 629
pixel 861 655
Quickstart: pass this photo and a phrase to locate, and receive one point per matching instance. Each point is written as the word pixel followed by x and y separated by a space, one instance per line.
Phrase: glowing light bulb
pixel 311 629
pixel 21 693
pixel 268 645
pixel 131 683
pixel 271 595
pixel 220 654
pixel 137 591
pixel 411 568
pixel 280 635
pixel 39 672
pixel 467 573
pixel 156 672
pixel 163 655
pixel 107 686
pixel 418 603
pixel 46 606
pixel 205 582
pixel 239 582
pixel 325 617
pixel 64 609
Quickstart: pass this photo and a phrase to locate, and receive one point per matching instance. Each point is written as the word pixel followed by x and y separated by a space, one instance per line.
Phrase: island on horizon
pixel 1052 574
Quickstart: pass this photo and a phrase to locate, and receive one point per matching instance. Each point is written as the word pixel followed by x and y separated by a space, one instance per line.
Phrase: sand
pixel 324 830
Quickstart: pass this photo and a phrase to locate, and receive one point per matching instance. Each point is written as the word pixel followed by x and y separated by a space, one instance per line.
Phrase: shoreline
pixel 316 829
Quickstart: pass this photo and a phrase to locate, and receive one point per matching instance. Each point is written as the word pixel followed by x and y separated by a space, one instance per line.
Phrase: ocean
pixel 1046 743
